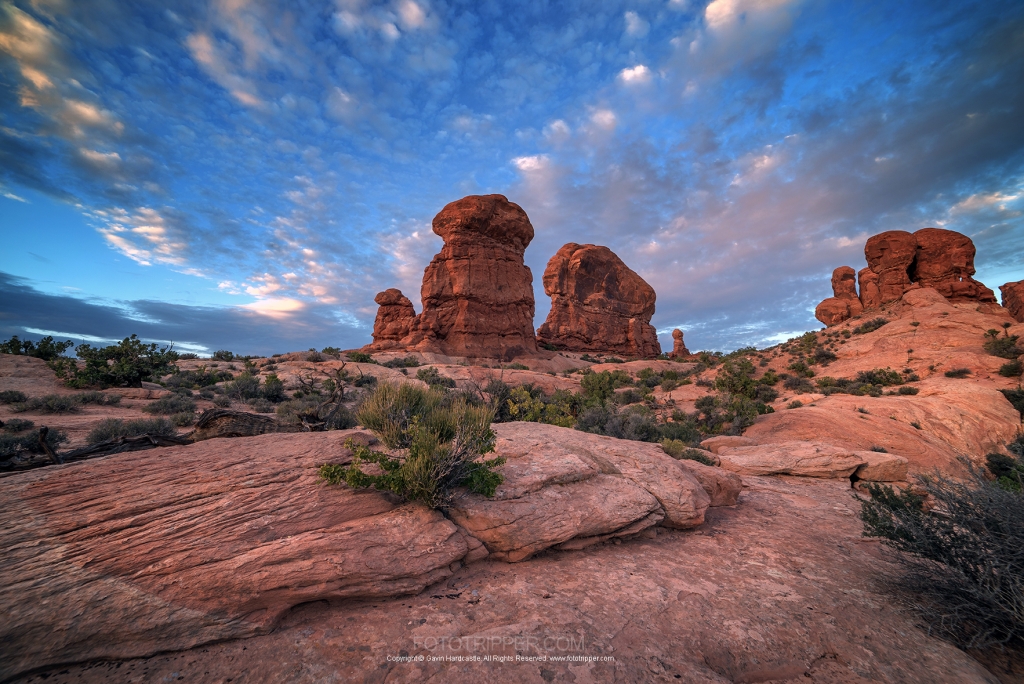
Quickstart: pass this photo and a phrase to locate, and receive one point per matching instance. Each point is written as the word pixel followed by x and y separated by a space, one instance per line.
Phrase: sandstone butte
pixel 477 292
pixel 598 304
pixel 899 261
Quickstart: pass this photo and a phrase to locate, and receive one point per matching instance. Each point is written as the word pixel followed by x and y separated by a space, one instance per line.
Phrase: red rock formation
pixel 477 292
pixel 898 262
pixel 844 303
pixel 945 261
pixel 395 319
pixel 679 349
pixel 598 304
pixel 1013 299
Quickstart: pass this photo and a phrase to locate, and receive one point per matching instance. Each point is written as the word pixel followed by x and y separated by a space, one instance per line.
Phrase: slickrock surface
pixel 477 291
pixel 598 304
pixel 1013 299
pixel 564 485
pixel 812 459
pixel 780 588
pixel 899 262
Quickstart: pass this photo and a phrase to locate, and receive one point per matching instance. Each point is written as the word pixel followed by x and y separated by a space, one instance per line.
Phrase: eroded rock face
pixel 679 349
pixel 899 262
pixel 843 304
pixel 395 319
pixel 810 459
pixel 598 304
pixel 477 292
pixel 1013 299
pixel 570 489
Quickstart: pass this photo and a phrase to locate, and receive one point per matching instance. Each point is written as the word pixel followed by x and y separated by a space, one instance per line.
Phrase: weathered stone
pixel 890 255
pixel 598 304
pixel 945 261
pixel 395 319
pixel 1013 299
pixel 679 350
pixel 870 294
pixel 844 303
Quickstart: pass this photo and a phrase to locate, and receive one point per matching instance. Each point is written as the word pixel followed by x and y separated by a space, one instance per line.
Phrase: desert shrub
pixel 798 384
pixel 824 356
pixel 765 394
pixel 628 396
pixel 795 404
pixel 406 362
pixel 597 388
pixel 669 384
pixel 360 357
pixel 610 359
pixel 18 425
pixel 365 381
pixel 12 397
pixel 880 376
pixel 736 377
pixel 430 376
pixel 1007 470
pixel 682 428
pixel 273 388
pixel 444 440
pixel 907 389
pixel 593 419
pixel 125 364
pixel 246 386
pixel 635 423
pixel 769 378
pixel 221 401
pixel 314 356
pixel 1004 347
pixel 1016 398
pixel 958 373
pixel 51 403
pixel 190 356
pixel 331 351
pixel 962 561
pixel 518 366
pixel 678 450
pixel 223 355
pixel 261 405
pixel 870 326
pixel 198 378
pixel 13 445
pixel 46 349
pixel 1011 369
pixel 115 428
pixel 171 404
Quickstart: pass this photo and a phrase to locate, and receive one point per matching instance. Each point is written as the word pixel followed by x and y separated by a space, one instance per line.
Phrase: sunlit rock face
pixel 598 304
pixel 898 262
pixel 1013 299
pixel 477 291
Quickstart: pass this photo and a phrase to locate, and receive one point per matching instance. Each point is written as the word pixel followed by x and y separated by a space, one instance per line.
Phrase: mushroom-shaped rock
pixel 477 291
pixel 598 304
pixel 679 349
pixel 395 319
pixel 1013 299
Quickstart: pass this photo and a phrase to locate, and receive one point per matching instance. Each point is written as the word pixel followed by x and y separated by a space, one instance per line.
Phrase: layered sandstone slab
pixel 477 292
pixel 813 459
pixel 598 304
pixel 568 486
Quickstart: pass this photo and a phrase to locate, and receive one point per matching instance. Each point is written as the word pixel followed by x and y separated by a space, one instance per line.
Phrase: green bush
pixel 958 373
pixel 15 445
pixel 244 387
pixel 907 389
pixel 679 451
pixel 115 428
pixel 221 402
pixel 360 357
pixel 46 349
pixel 125 364
pixel 331 351
pixel 18 425
pixel 870 326
pixel 1004 347
pixel 12 397
pixel 198 378
pixel 273 388
pixel 365 381
pixel 1011 369
pixel 407 362
pixel 962 561
pixel 883 377
pixel 261 405
pixel 171 404
pixel 430 376
pixel 223 355
pixel 443 438
pixel 51 403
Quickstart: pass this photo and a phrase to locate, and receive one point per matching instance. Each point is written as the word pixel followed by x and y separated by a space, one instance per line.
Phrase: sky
pixel 247 175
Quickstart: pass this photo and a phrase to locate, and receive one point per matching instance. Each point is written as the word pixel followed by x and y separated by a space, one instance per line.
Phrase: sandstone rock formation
pixel 477 292
pixel 1013 299
pixel 898 262
pixel 598 304
pixel 395 319
pixel 679 349
pixel 812 459
pixel 843 304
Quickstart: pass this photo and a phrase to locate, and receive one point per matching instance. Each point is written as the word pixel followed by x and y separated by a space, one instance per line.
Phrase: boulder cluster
pixel 478 301
pixel 898 262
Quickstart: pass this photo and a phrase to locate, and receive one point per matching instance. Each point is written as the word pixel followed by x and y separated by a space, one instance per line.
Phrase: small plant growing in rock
pixel 430 376
pixel 1004 347
pixel 360 357
pixel 12 397
pixel 442 437
pixel 1011 369
pixel 171 404
pixel 223 355
pixel 795 404
pixel 870 326
pixel 115 428
pixel 958 373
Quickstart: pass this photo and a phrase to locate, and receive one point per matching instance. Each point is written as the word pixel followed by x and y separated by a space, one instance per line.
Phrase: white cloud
pixel 724 13
pixel 411 15
pixel 281 307
pixel 537 162
pixel 604 118
pixel 209 56
pixel 635 25
pixel 637 74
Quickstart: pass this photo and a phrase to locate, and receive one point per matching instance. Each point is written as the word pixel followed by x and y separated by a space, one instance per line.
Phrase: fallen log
pixel 227 423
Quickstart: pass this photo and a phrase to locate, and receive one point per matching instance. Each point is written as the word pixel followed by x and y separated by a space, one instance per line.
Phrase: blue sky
pixel 247 175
